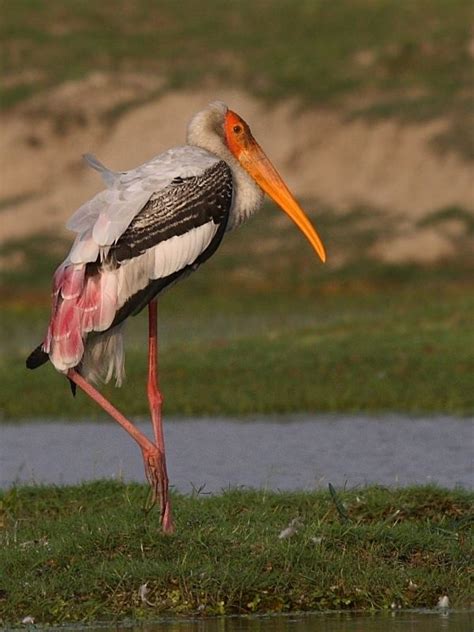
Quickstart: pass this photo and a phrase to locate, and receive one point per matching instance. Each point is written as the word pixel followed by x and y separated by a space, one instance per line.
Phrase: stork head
pixel 225 132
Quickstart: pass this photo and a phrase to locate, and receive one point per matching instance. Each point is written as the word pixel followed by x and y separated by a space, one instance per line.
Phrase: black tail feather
pixel 37 358
pixel 73 387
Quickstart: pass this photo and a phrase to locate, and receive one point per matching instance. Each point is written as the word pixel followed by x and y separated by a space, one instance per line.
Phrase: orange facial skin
pixel 253 159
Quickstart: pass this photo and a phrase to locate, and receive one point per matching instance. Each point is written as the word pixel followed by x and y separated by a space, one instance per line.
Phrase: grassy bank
pixel 264 327
pixel 410 59
pixel 82 553
pixel 318 50
pixel 389 355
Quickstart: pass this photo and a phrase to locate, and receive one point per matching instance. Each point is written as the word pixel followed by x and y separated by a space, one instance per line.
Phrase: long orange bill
pixel 253 159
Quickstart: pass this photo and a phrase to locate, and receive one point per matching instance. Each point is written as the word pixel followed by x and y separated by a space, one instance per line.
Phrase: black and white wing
pixel 176 231
pixel 101 221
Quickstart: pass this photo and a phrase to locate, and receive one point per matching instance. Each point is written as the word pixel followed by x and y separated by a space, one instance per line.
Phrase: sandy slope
pixel 342 163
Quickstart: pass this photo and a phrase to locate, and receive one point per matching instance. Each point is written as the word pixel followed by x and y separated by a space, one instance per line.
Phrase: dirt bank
pixel 325 156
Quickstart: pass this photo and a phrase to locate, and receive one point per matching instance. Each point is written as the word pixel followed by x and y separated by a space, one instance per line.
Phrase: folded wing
pixel 150 227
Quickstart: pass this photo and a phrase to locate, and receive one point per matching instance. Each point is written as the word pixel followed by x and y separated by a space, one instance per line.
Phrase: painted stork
pixel 150 227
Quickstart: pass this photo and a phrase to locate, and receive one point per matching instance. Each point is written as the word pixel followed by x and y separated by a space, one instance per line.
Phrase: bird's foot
pixel 155 470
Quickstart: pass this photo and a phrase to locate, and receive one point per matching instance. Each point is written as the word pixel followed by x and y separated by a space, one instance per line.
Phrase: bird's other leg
pixel 156 466
pixel 149 449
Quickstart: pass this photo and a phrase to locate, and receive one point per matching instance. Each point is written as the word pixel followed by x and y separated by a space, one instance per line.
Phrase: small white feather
pixel 108 300
pixel 108 176
pixel 180 251
pixel 86 215
pixel 164 259
pixel 115 219
pixel 84 249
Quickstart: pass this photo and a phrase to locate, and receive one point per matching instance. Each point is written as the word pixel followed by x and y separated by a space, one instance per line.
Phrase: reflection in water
pixel 411 621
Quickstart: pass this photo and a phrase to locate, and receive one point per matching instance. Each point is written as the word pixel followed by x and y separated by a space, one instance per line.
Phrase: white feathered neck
pixel 206 130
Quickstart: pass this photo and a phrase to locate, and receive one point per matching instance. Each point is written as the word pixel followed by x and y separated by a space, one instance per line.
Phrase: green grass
pixel 415 54
pixel 264 327
pixel 387 354
pixel 80 554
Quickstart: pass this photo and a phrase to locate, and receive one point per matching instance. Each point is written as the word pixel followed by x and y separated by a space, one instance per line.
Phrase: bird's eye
pixel 237 129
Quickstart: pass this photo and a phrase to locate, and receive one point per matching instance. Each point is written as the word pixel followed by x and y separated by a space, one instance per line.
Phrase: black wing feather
pixel 185 204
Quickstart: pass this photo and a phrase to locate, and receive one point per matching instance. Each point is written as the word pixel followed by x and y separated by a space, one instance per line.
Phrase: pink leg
pixel 151 454
pixel 155 401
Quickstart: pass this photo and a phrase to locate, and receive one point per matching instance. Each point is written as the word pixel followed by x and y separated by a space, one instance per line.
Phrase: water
pixel 291 452
pixel 408 621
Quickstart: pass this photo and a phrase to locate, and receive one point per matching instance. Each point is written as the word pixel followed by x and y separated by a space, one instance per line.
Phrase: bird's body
pixel 121 261
pixel 150 227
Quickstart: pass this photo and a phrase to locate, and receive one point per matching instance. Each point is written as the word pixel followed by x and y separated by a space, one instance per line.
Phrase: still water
pixel 290 452
pixel 410 621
